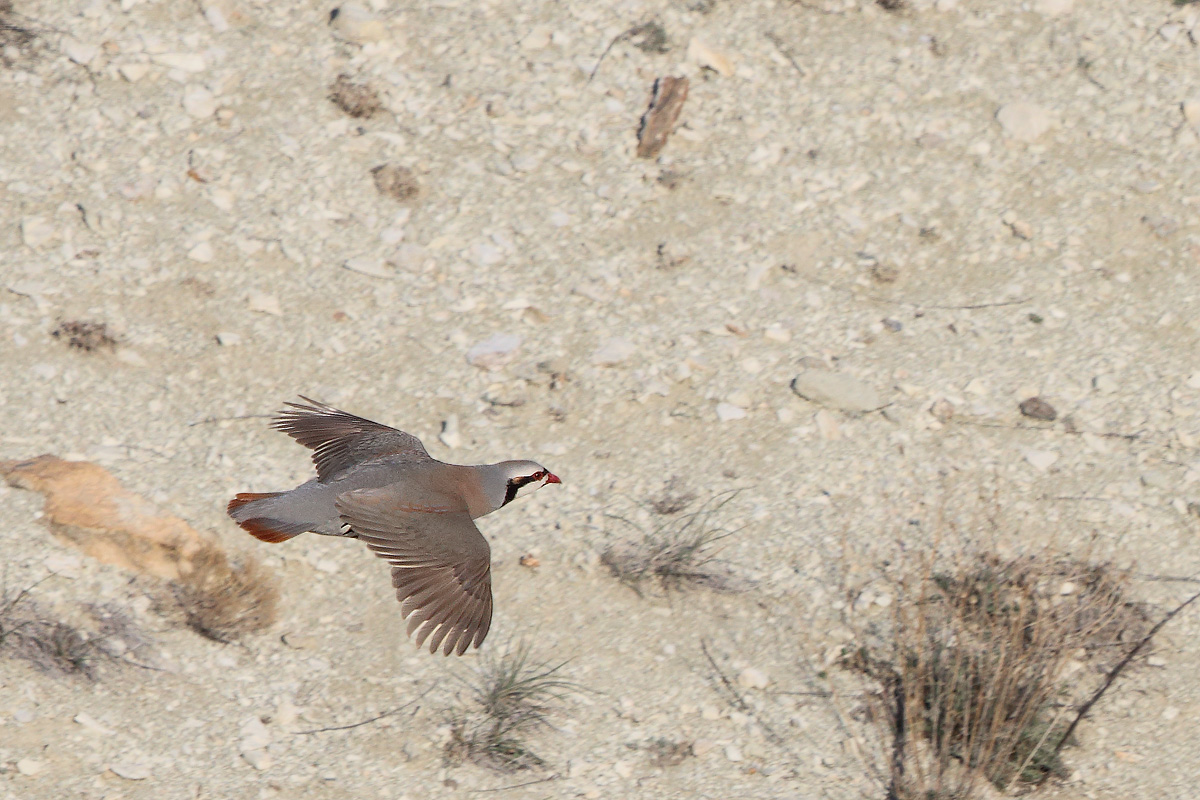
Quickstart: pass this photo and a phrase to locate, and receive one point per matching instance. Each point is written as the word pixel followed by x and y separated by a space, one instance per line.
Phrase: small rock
pixel 354 23
pixel 1037 408
pixel 537 39
pixel 259 759
pixel 494 352
pixel 836 390
pixel 942 409
pixel 199 102
pixel 30 766
pixel 1023 121
pixel 184 62
pixel 1169 713
pixel 87 507
pixel 700 54
pixel 623 769
pixel 529 560
pixel 264 303
pixel 216 18
pixel 1021 229
pixel 82 54
pixel 90 723
pixel 827 427
pixel 450 435
pixel 710 712
pixel 133 72
pixel 366 265
pixel 1053 8
pixel 733 753
pixel 1105 384
pixel 1156 661
pixel 1041 460
pixel 254 735
pixel 36 231
pixel 201 253
pixel 613 352
pixel 727 412
pixel 1191 112
pixel 753 678
pixel 130 770
pixel 227 339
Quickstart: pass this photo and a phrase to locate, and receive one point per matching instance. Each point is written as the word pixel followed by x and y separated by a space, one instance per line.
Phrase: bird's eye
pixel 537 476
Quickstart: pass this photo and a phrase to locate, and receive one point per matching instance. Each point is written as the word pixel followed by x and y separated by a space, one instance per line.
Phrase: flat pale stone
pixel 1023 121
pixel 836 390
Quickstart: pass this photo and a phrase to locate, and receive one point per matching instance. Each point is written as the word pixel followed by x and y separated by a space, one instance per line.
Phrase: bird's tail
pixel 254 513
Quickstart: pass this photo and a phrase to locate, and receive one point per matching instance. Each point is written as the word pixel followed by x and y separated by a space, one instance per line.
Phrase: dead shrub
pixel 970 675
pixel 678 551
pixel 358 100
pixel 221 600
pixel 85 336
pixel 510 698
pixel 15 39
pixel 398 183
pixel 52 646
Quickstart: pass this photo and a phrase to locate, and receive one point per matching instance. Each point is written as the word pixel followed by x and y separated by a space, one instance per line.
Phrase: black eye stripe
pixel 514 484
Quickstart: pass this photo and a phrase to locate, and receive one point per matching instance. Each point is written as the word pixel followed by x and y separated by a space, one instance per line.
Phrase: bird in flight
pixel 379 485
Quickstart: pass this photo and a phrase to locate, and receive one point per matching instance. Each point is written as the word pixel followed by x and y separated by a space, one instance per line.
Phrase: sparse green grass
pixel 677 551
pixel 971 677
pixel 511 697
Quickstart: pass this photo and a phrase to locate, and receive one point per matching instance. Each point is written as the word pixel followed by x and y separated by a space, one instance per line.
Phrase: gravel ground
pixel 953 207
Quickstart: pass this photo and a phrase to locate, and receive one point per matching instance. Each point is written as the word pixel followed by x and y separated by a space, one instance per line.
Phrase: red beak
pixel 552 478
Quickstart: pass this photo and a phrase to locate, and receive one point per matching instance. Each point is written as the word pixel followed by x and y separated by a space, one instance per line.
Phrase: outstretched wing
pixel 441 565
pixel 340 440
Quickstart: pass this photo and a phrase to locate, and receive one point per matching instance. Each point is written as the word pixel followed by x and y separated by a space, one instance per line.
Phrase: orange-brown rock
pixel 87 507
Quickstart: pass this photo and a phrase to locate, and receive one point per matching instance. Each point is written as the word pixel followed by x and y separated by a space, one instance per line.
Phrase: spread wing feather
pixel 340 440
pixel 441 566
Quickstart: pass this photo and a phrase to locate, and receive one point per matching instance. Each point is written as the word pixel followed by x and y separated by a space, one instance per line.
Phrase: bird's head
pixel 523 478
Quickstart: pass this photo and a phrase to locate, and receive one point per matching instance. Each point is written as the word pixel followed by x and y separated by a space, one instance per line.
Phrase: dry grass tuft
pixel 511 697
pixel 52 646
pixel 222 601
pixel 678 551
pixel 972 676
pixel 15 39
pixel 86 336
pixel 674 497
pixel 398 183
pixel 669 753
pixel 358 100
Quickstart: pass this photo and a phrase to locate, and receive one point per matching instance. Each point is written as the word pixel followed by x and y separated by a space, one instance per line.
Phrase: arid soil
pixel 951 207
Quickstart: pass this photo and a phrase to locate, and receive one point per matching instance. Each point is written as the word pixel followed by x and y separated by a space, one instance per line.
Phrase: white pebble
pixel 264 303
pixel 133 72
pixel 727 412
pixel 199 102
pixel 202 253
pixel 184 62
pixel 30 766
pixel 450 435
pixel 354 23
pixel 80 53
pixel 366 265
pixel 90 723
pixel 733 753
pixel 216 18
pixel 130 770
pixel 36 231
pixel 227 339
pixel 1041 460
pixel 1053 8
pixel 700 54
pixel 1023 121
pixel 494 352
pixel 1170 712
pixel 613 352
pixel 753 678
pixel 836 390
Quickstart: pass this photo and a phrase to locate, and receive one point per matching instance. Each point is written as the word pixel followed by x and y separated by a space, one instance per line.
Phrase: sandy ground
pixel 839 194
